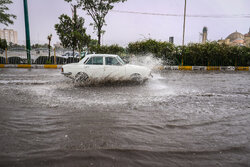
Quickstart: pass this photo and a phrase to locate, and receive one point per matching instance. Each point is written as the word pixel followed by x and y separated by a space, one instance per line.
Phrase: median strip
pixel 50 66
pixel 242 68
pixel 30 66
pixel 185 67
pixel 23 66
pixel 211 68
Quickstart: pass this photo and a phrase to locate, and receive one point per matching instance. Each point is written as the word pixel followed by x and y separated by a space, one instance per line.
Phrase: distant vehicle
pixel 70 54
pixel 105 66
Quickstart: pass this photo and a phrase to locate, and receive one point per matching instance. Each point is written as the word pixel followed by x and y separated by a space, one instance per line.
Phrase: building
pixel 171 40
pixel 237 39
pixel 247 38
pixel 9 35
pixel 204 35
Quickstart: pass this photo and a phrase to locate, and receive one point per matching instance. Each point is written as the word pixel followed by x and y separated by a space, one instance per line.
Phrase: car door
pixel 113 68
pixel 94 67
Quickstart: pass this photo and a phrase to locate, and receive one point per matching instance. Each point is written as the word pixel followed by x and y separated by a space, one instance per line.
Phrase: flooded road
pixel 175 119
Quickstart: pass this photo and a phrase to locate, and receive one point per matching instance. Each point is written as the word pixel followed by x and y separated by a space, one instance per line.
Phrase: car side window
pixel 95 61
pixel 111 61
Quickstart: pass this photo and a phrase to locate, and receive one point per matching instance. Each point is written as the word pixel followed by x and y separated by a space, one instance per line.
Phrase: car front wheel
pixel 136 78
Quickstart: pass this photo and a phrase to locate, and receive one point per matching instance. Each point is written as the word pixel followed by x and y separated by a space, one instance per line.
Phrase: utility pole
pixel 184 23
pixel 74 19
pixel 27 29
pixel 183 36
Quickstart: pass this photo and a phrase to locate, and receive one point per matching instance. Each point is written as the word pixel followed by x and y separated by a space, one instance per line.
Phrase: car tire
pixel 81 77
pixel 136 78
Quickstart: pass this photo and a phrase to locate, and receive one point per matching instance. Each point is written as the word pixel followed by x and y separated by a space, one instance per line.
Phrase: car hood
pixel 136 66
pixel 71 64
pixel 144 70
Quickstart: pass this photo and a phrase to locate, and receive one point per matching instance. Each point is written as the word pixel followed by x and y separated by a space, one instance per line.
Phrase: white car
pixel 105 66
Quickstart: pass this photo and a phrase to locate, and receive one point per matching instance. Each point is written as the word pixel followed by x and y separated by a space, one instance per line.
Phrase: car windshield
pixel 120 60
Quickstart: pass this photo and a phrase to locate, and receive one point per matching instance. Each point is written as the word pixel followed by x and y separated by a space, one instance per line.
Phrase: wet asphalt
pixel 177 118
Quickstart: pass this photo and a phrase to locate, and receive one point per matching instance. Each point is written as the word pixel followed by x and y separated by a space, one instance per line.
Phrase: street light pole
pixel 184 23
pixel 27 29
pixel 183 35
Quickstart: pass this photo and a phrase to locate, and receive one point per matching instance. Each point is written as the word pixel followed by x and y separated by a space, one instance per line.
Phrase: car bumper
pixel 66 73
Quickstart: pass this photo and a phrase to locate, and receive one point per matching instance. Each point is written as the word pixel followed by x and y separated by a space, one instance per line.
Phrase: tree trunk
pixel 73 54
pixel 49 49
pixel 99 36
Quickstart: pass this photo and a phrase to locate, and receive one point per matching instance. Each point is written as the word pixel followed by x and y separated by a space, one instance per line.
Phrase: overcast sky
pixel 123 28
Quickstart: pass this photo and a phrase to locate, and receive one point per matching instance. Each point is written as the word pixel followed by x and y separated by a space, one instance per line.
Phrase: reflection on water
pixel 174 119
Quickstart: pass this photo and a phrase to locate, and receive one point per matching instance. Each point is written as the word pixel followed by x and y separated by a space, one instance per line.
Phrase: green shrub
pixel 15 60
pixel 214 54
pixel 2 60
pixel 48 61
pixel 157 48
pixel 193 54
pixel 112 49
pixel 41 60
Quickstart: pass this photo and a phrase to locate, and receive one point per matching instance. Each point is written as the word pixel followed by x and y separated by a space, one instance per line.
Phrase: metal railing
pixel 38 56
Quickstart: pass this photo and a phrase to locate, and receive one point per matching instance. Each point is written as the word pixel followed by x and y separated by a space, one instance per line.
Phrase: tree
pixel 6 18
pixel 36 46
pixel 71 32
pixel 97 9
pixel 3 44
pixel 49 38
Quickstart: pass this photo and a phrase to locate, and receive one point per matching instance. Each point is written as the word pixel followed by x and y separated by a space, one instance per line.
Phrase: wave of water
pixel 147 60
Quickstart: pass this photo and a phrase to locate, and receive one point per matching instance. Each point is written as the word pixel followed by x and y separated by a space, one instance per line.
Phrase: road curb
pixel 161 68
pixel 204 68
pixel 30 66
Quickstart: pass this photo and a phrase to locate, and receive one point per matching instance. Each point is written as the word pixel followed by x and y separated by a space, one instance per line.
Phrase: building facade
pixel 247 38
pixel 204 35
pixel 9 35
pixel 237 39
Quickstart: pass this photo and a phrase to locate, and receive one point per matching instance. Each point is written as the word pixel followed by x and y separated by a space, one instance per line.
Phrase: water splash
pixel 108 81
pixel 147 60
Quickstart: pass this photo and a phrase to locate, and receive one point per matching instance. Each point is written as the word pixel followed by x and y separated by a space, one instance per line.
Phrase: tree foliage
pixel 72 33
pixel 6 18
pixel 112 49
pixel 3 44
pixel 97 10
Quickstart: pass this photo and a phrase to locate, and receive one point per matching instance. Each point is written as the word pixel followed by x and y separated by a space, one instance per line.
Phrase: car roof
pixel 101 55
pixel 96 55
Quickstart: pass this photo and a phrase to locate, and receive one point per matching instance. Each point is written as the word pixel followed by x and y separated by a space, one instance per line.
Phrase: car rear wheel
pixel 81 77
